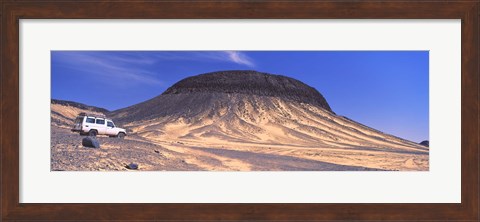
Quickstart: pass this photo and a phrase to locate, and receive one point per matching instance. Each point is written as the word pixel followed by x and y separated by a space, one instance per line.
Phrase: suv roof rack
pixel 93 114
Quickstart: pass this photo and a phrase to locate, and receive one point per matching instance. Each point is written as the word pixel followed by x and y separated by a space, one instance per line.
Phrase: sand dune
pixel 283 123
pixel 287 129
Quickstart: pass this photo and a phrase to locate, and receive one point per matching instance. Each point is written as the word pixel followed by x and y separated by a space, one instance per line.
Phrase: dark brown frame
pixel 12 11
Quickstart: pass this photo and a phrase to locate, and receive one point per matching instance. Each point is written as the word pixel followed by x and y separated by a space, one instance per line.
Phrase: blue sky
pixel 387 90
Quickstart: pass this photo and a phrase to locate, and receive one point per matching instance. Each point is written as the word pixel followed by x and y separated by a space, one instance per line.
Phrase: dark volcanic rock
pixel 425 143
pixel 90 142
pixel 132 166
pixel 251 83
pixel 79 105
pixel 206 94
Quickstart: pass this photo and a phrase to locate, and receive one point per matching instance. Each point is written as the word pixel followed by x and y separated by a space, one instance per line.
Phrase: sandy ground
pixel 68 154
pixel 114 154
pixel 247 133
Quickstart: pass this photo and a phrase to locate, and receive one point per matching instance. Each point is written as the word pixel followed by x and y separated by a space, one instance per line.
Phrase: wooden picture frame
pixel 12 11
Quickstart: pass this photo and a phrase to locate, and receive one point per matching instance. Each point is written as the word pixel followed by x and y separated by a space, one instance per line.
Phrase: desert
pixel 238 120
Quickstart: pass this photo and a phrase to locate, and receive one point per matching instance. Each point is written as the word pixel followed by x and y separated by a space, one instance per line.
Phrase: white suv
pixel 94 125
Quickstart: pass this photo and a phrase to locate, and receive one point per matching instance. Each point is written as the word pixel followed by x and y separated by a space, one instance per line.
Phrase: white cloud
pixel 240 58
pixel 209 56
pixel 121 69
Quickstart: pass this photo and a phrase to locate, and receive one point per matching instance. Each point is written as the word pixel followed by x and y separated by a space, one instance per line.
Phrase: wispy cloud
pixel 240 58
pixel 130 67
pixel 120 67
pixel 235 57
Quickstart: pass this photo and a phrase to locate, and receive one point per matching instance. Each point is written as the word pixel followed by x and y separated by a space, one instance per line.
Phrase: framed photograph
pixel 267 110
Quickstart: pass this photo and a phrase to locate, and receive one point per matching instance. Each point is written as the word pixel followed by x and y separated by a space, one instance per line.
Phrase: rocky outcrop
pixel 425 143
pixel 79 106
pixel 217 90
pixel 250 106
pixel 250 83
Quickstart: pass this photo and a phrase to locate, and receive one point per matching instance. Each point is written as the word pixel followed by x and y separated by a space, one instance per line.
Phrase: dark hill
pixel 79 105
pixel 425 143
pixel 250 83
pixel 207 94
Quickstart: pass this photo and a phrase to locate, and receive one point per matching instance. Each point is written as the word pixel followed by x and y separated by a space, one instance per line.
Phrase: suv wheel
pixel 92 133
pixel 121 135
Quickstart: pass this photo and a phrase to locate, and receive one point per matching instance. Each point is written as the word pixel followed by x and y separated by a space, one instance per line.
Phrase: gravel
pixel 68 154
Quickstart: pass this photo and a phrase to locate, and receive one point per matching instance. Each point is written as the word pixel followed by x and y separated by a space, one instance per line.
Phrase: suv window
pixel 110 124
pixel 100 121
pixel 90 120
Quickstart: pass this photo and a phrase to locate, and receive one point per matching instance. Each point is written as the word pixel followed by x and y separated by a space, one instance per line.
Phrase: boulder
pixel 132 166
pixel 91 142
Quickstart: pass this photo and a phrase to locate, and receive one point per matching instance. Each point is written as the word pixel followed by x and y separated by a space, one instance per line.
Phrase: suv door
pixel 111 131
pixel 100 126
pixel 89 123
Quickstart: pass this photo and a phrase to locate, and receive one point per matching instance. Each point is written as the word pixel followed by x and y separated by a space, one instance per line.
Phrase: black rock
pixel 132 166
pixel 251 83
pixel 78 105
pixel 425 143
pixel 90 142
pixel 206 93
